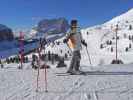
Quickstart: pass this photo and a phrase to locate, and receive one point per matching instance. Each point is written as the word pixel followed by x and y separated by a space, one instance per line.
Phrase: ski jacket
pixel 74 40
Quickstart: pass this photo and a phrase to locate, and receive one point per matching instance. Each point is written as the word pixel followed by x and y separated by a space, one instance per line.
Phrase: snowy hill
pixel 101 40
pixel 124 18
pixel 5 33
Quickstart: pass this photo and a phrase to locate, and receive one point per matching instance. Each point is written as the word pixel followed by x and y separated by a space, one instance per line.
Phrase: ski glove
pixel 65 40
pixel 84 43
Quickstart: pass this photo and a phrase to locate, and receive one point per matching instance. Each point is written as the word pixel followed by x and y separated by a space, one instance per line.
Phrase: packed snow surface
pixel 18 84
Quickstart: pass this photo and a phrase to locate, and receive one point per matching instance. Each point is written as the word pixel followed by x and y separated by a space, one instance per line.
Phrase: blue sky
pixel 25 13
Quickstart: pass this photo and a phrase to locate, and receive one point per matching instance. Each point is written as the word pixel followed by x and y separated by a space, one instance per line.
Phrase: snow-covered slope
pixel 101 40
pixel 126 17
pixel 21 85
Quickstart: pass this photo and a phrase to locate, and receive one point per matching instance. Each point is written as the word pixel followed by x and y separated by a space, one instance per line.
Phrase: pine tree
pixel 126 21
pixel 66 56
pixel 7 61
pixel 33 58
pixel 107 42
pixel 118 37
pixel 17 59
pixel 61 51
pixel 11 60
pixel 130 27
pixel 49 55
pixel 52 58
pixel 130 45
pixel 101 46
pixel 130 37
pixel 126 49
pixel 113 38
pixel 2 66
pixel 111 49
pixel 125 35
pixel 110 42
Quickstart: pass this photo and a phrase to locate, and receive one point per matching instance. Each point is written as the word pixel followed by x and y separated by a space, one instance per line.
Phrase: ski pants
pixel 75 62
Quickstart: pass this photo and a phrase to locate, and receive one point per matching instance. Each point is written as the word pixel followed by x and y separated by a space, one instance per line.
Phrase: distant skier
pixel 74 40
pixel 1 64
pixel 34 61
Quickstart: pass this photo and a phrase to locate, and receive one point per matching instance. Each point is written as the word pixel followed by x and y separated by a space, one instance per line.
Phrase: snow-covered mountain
pixel 101 39
pixel 106 32
pixel 123 18
pixel 5 33
pixel 47 27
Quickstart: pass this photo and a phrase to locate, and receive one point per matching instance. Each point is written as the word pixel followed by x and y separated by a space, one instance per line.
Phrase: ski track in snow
pixel 20 87
pixel 21 84
pixel 76 85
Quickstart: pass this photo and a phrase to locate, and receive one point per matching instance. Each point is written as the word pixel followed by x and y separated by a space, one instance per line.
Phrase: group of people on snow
pixel 74 41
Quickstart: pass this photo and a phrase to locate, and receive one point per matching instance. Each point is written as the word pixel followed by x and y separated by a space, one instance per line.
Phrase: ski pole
pixel 45 68
pixel 37 80
pixel 38 63
pixel 46 89
pixel 38 71
pixel 88 55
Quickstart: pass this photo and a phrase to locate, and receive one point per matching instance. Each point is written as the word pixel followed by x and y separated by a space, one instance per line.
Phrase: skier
pixel 2 66
pixel 74 40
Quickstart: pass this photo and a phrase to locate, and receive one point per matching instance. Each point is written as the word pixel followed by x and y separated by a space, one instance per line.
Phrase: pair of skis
pixel 67 74
pixel 96 73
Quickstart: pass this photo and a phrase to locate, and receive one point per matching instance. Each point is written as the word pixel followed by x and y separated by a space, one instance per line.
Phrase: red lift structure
pixel 21 52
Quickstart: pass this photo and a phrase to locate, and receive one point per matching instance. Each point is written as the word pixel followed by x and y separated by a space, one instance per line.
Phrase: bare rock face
pixel 5 33
pixel 56 26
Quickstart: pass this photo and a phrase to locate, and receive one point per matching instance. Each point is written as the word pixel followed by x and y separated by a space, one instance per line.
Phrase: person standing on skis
pixel 74 40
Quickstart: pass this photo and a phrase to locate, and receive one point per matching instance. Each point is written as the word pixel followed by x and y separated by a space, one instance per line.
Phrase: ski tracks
pixel 21 92
pixel 77 84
